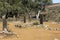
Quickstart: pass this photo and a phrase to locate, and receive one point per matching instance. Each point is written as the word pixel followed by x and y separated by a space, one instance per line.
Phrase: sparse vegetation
pixel 29 20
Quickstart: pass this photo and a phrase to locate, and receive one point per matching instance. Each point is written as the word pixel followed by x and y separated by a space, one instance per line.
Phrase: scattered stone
pixel 54 22
pixel 18 26
pixel 58 29
pixel 45 25
pixel 56 39
pixel 6 34
pixel 46 28
pixel 54 29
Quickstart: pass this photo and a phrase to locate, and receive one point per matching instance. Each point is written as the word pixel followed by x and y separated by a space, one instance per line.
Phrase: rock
pixel 18 26
pixel 56 39
pixel 45 25
pixel 46 28
pixel 54 22
pixel 58 29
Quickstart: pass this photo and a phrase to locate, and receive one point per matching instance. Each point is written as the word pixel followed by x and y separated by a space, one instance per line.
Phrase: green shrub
pixel 35 23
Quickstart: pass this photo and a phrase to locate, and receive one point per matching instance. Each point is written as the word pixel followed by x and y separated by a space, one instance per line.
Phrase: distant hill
pixel 53 12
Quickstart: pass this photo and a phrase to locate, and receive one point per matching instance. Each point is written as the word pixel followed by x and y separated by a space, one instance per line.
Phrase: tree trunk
pixel 41 19
pixel 4 24
pixel 24 18
pixel 16 16
pixel 37 16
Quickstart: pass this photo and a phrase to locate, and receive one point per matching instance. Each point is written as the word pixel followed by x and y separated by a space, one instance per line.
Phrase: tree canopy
pixel 20 5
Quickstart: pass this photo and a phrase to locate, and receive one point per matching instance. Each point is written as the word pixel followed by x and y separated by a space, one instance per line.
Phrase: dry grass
pixel 31 33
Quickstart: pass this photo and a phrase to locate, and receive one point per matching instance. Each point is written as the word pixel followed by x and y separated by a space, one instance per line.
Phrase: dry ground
pixel 32 33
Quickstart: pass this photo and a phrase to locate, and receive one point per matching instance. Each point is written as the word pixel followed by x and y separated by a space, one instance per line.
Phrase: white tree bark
pixel 37 16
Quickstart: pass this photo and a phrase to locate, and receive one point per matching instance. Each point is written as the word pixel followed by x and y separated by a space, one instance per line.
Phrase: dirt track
pixel 31 33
